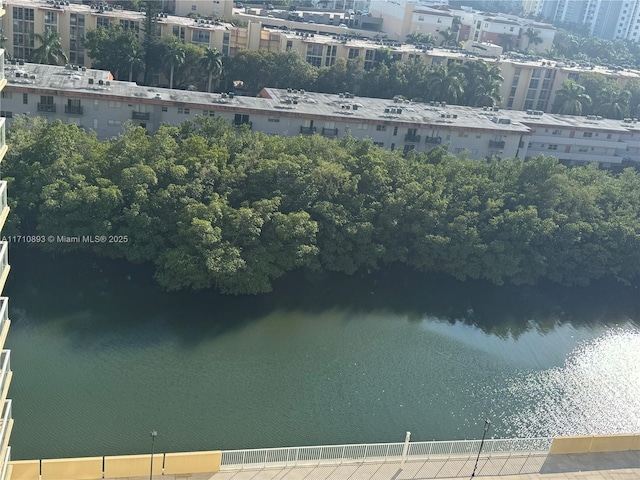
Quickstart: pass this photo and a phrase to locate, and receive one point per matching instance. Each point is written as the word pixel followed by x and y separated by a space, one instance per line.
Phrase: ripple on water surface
pixel 596 391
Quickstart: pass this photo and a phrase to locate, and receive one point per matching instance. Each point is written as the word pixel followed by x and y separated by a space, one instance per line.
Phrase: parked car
pixel 342 25
pixel 239 5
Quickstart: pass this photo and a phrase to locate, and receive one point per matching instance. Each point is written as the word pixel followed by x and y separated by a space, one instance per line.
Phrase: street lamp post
pixel 487 424
pixel 154 434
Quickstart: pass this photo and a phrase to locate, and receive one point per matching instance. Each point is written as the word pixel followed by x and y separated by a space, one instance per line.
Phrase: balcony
pixel 2 77
pixel 307 130
pixel 47 107
pixel 434 140
pixel 5 433
pixel 4 320
pixel 5 373
pixel 4 263
pixel 496 143
pixel 4 207
pixel 140 115
pixel 330 132
pixel 3 140
pixel 73 109
pixel 411 137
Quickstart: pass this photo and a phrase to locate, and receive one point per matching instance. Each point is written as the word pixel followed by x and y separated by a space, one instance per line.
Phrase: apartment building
pixel 183 8
pixel 72 21
pixel 88 99
pixel 401 17
pixel 6 421
pixel 608 19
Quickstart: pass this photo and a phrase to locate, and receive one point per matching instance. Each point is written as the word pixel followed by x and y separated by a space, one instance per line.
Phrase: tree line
pixel 213 206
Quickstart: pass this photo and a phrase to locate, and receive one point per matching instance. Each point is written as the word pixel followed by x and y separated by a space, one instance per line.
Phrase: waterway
pixel 101 356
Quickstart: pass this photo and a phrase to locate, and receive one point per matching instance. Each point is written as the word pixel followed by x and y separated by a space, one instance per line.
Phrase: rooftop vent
pixel 100 82
pixel 91 81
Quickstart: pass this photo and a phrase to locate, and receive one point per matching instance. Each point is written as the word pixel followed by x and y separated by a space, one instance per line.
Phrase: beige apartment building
pixel 528 84
pixel 89 99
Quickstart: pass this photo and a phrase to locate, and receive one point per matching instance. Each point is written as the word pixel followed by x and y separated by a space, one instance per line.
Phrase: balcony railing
pixel 434 140
pixel 47 107
pixel 5 465
pixel 496 143
pixel 410 137
pixel 74 109
pixel 140 115
pixel 7 420
pixel 4 257
pixel 5 376
pixel 4 320
pixel 1 58
pixel 329 132
pixel 307 130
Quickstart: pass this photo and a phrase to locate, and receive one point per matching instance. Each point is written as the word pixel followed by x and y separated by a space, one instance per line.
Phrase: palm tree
pixel 211 63
pixel 50 50
pixel 415 38
pixel 445 84
pixel 506 42
pixel 173 55
pixel 483 82
pixel 450 38
pixel 533 36
pixel 571 99
pixel 135 59
pixel 613 103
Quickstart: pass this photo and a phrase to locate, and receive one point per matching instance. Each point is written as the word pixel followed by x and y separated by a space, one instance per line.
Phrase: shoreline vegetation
pixel 212 206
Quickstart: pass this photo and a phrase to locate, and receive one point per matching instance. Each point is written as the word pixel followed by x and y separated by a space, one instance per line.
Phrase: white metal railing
pixel 1 57
pixel 6 419
pixel 3 135
pixel 4 311
pixel 4 256
pixel 6 368
pixel 5 465
pixel 375 452
pixel 3 191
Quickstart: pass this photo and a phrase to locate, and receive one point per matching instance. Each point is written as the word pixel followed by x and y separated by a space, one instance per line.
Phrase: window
pixel 273 120
pixel 608 136
pixel 7 95
pixel 113 104
pixel 112 123
pixel 193 8
pixel 209 113
pixel 6 114
pixel 164 109
pixel 478 136
pixel 25 98
pixel 533 83
pixel 183 111
pixel 314 54
pixel 463 134
pixel 395 131
pixel 200 36
pixel 552 147
pixel 102 22
pixel 381 128
pixel 393 146
pixel 289 45
pixel 556 132
pixel 225 44
pixel 331 56
pixel 363 126
pixel 369 58
pixel 421 18
pixel 95 123
pixel 353 53
pixel 587 134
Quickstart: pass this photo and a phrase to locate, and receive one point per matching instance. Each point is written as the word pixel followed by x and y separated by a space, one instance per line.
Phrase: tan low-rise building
pixel 90 99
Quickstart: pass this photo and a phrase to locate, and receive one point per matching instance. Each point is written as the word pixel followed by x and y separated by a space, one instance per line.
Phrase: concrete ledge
pixel 611 443
pixel 88 468
pixel 568 445
pixel 192 462
pixel 25 470
pixel 132 465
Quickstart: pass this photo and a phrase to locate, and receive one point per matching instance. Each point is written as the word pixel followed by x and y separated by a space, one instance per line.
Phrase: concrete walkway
pixel 600 466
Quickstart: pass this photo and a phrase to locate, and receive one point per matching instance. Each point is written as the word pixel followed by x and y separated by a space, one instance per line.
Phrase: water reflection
pixel 99 288
pixel 597 390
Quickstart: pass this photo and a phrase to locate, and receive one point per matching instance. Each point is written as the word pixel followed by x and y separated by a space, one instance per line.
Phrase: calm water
pixel 101 357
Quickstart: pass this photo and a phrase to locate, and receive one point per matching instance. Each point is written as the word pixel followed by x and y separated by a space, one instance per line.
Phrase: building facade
pixel 88 99
pixel 6 422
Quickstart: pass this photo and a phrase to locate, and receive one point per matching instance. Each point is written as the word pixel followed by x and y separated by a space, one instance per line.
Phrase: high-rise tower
pixel 6 420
